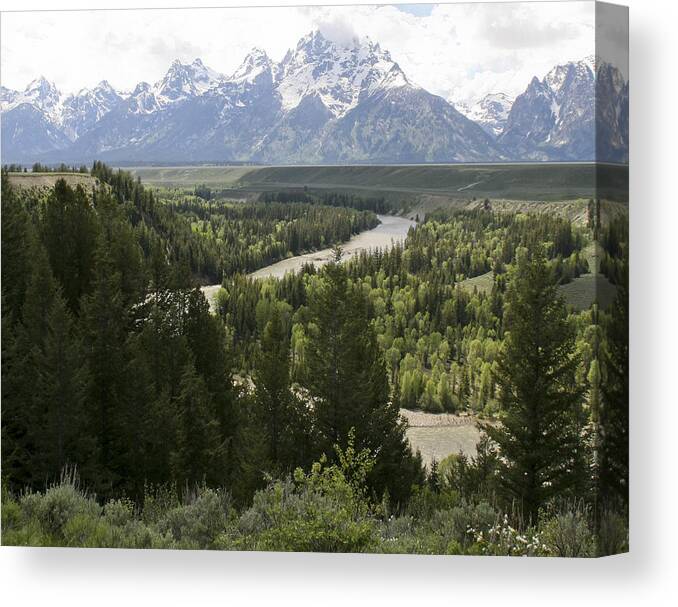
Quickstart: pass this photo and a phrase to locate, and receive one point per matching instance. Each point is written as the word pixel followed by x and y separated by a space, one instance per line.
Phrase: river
pixel 392 230
pixel 435 436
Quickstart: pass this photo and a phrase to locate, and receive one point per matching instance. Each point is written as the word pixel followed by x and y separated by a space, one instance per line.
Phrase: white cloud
pixel 459 51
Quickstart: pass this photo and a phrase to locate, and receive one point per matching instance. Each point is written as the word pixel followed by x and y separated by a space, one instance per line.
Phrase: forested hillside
pixel 133 416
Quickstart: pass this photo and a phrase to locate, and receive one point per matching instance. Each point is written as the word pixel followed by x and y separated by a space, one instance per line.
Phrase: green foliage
pixel 347 382
pixel 325 510
pixel 540 432
pixel 300 519
pixel 198 523
pixel 60 392
pixel 68 228
pixel 321 510
pixel 188 424
pixel 278 412
pixel 198 456
pixel 569 534
pixel 51 513
pixel 613 428
pixel 475 477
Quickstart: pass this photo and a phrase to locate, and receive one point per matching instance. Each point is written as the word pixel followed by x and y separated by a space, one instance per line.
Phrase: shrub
pixel 119 512
pixel 58 506
pixel 303 518
pixel 326 510
pixel 454 524
pixel 568 535
pixel 157 501
pixel 88 532
pixel 199 523
pixel 404 535
pixel 11 514
pixel 425 501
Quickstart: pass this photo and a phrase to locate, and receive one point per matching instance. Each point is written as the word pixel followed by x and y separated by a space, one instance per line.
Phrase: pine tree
pixel 104 324
pixel 329 376
pixel 17 411
pixel 40 293
pixel 613 419
pixel 16 236
pixel 21 343
pixel 272 389
pixel 539 436
pixel 69 232
pixel 206 339
pixel 160 354
pixel 198 455
pixel 59 395
pixel 348 383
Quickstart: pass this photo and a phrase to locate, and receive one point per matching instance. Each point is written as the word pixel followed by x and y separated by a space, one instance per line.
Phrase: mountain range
pixel 323 103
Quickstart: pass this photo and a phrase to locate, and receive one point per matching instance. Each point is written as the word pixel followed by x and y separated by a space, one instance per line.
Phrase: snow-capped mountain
pixel 40 93
pixel 490 112
pixel 256 64
pixel 340 76
pixel 82 111
pixel 324 102
pixel 184 81
pixel 31 120
pixel 557 117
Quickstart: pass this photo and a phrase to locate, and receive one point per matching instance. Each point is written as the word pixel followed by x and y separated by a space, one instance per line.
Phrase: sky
pixel 458 51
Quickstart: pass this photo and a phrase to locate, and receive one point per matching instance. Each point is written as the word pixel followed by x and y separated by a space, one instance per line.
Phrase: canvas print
pixel 334 279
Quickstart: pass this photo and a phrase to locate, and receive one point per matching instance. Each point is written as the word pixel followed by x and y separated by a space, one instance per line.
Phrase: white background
pixel 647 576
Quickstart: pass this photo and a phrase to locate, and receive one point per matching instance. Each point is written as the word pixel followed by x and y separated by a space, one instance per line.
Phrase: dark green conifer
pixel 539 438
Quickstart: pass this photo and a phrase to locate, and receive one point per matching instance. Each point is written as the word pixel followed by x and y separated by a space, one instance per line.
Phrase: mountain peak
pixel 184 80
pixel 317 40
pixel 258 53
pixel 340 73
pixel 255 63
pixel 314 37
pixel 105 85
pixel 42 85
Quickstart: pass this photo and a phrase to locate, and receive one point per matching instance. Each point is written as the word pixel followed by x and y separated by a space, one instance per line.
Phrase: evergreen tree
pixel 69 232
pixel 206 340
pixel 613 424
pixel 250 454
pixel 59 395
pixel 539 436
pixel 17 412
pixel 105 325
pixel 348 384
pixel 16 267
pixel 21 343
pixel 126 255
pixel 41 291
pixel 273 396
pixel 198 454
